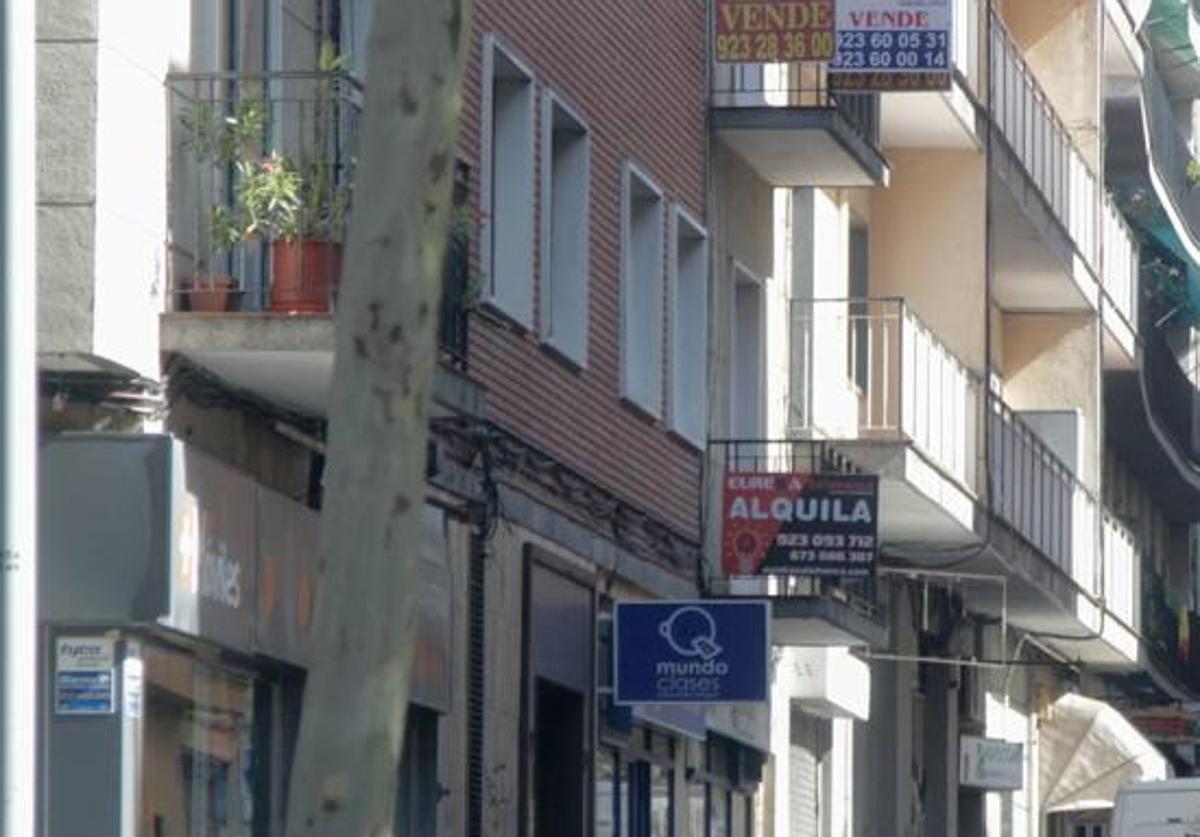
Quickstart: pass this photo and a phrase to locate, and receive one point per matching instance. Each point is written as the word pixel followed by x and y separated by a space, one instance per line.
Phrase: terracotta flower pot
pixel 304 275
pixel 207 294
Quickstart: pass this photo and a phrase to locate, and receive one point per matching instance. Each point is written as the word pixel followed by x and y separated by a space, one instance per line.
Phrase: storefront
pixel 176 606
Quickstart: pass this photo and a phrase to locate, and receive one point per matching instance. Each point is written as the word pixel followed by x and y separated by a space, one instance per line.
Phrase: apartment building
pixel 983 296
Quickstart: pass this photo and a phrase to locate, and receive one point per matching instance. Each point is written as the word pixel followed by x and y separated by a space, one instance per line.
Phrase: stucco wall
pixel 928 244
pixel 1052 361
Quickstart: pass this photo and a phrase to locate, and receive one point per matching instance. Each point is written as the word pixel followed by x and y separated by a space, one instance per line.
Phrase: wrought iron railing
pixel 1040 497
pixel 1039 139
pixel 795 85
pixel 871 369
pixel 725 456
pixel 260 188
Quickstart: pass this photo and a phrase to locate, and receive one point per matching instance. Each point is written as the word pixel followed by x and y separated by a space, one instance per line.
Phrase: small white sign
pixel 131 686
pixel 991 764
pixel 83 676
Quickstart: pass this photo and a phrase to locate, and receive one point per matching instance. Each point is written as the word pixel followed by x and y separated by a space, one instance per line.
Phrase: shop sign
pixel 83 676
pixel 690 652
pixel 800 524
pixel 752 31
pixel 132 686
pixel 990 763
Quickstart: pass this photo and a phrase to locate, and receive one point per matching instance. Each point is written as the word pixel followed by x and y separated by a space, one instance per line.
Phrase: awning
pixel 1087 750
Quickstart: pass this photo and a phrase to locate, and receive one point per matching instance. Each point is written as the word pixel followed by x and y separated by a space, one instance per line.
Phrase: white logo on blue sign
pixel 690 652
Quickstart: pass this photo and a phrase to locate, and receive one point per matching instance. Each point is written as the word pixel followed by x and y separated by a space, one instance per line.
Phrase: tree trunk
pixel 343 778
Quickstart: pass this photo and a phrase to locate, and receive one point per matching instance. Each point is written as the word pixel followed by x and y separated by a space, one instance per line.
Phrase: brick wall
pixel 635 73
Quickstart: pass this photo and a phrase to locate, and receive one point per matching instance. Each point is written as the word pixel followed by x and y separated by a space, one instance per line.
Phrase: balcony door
pixel 747 356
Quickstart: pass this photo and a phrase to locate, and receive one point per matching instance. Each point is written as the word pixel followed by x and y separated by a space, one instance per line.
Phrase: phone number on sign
pixel 770 46
pixel 892 50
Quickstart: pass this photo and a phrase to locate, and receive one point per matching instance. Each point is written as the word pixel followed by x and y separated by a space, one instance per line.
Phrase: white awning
pixel 1087 750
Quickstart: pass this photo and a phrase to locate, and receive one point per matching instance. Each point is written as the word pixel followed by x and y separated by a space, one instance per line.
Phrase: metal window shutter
pixel 804 781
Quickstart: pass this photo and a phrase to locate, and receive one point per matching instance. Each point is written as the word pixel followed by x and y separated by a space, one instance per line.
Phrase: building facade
pixel 662 270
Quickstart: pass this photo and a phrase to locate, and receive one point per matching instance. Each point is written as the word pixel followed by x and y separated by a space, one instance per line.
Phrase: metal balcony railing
pixel 794 85
pixel 870 369
pixel 1120 272
pixel 1040 497
pixel 1170 152
pixel 1038 138
pixel 862 595
pixel 261 181
pixel 1122 573
pixel 1173 394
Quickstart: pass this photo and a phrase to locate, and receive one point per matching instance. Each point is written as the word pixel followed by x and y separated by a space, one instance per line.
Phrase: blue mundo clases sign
pixel 704 651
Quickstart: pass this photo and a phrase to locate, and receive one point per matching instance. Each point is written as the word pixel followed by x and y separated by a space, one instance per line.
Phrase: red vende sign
pixel 800 524
pixel 765 32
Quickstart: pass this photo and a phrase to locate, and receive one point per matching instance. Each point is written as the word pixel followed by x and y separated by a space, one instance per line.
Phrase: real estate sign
pixel 893 45
pixel 759 32
pixel 800 524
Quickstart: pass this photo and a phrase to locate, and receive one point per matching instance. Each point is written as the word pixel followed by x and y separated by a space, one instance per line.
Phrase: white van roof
pixel 1162 786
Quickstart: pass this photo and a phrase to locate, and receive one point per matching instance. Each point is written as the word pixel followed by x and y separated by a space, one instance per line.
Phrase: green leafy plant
pixel 274 195
pixel 1193 172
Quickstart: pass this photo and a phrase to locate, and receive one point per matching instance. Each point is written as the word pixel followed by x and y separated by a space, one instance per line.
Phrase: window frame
pixel 520 313
pixel 575 356
pixel 654 409
pixel 677 216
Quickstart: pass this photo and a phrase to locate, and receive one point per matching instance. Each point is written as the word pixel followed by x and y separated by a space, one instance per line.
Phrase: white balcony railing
pixel 1040 497
pixel 1120 263
pixel 870 369
pixel 1038 138
pixel 1122 570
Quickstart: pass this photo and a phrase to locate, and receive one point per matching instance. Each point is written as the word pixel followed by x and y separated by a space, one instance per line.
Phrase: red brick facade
pixel 635 74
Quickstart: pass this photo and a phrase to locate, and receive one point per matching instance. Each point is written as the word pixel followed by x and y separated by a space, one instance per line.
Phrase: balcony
pixel 1119 278
pixel 806 610
pixel 1048 244
pixel 793 129
pixel 1154 422
pixel 261 186
pixel 943 118
pixel 261 181
pixel 875 382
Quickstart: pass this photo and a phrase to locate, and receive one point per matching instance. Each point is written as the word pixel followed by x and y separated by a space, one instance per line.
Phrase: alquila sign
pixel 801 524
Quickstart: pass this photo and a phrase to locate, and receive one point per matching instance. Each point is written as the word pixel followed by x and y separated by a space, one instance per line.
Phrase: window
pixel 747 362
pixel 507 183
pixel 564 287
pixel 689 328
pixel 417 794
pixel 641 291
pixel 202 772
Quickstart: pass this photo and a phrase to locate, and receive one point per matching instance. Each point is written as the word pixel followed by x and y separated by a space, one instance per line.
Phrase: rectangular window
pixel 641 291
pixel 689 328
pixel 564 287
pixel 507 183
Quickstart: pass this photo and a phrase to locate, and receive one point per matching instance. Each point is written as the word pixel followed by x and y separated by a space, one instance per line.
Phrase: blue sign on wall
pixel 690 652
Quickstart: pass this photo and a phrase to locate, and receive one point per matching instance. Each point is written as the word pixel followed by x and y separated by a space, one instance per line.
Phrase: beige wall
pixel 1061 40
pixel 928 244
pixel 1052 361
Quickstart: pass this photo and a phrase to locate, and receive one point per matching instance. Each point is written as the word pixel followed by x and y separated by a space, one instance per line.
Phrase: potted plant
pixel 296 204
pixel 217 137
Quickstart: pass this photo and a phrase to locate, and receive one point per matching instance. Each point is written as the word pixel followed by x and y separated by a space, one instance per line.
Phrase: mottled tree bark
pixel 343 779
